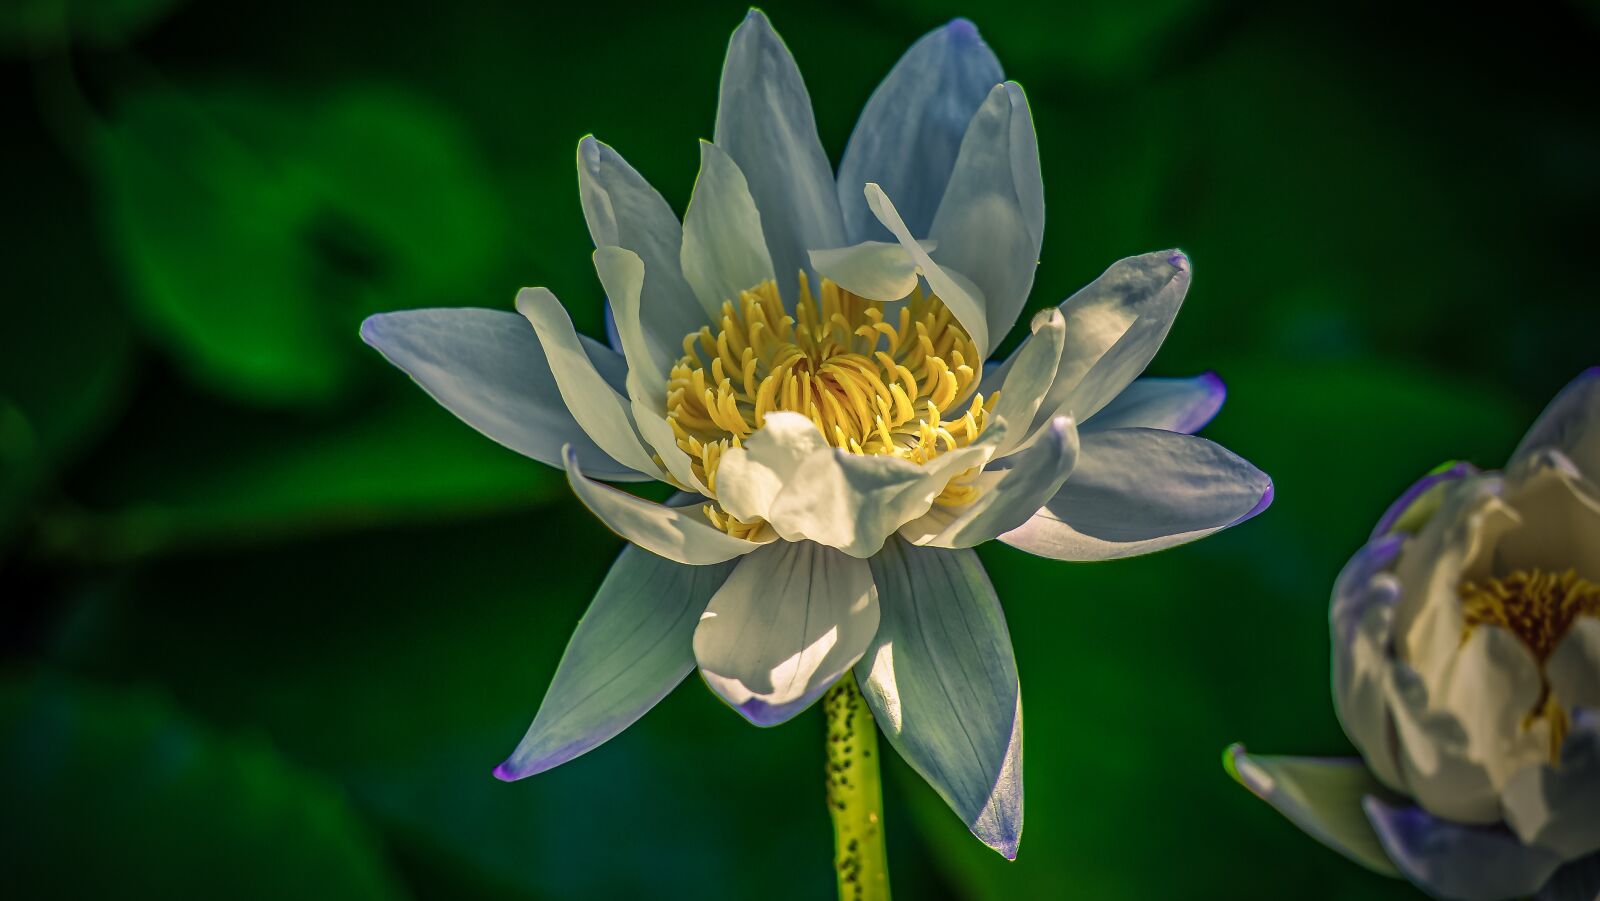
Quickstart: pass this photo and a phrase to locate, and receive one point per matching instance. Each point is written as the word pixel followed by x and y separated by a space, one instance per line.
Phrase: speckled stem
pixel 855 795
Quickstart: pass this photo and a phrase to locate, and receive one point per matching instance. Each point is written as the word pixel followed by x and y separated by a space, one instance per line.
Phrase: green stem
pixel 855 795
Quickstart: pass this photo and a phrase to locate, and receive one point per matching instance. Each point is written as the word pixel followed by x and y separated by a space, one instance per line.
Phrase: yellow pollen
pixel 894 379
pixel 1539 608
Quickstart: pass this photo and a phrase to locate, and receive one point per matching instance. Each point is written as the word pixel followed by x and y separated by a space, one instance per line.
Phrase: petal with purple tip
pixel 632 646
pixel 1453 860
pixel 1321 795
pixel 942 683
pixel 1405 514
pixel 910 131
pixel 785 625
pixel 1176 405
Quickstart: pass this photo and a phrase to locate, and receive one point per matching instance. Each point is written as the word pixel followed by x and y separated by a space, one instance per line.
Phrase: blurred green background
pixel 270 616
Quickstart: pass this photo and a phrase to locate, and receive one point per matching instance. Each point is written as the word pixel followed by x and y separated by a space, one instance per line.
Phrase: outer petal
pixel 623 210
pixel 724 251
pixel 1176 405
pixel 1559 807
pixel 965 299
pixel 1577 881
pixel 942 683
pixel 594 403
pixel 683 536
pixel 1451 860
pixel 764 121
pixel 1409 510
pixel 487 367
pixel 911 128
pixel 1571 424
pixel 1140 490
pixel 630 649
pixel 788 622
pixel 1008 497
pixel 1029 374
pixel 1361 617
pixel 1114 326
pixel 990 223
pixel 1321 795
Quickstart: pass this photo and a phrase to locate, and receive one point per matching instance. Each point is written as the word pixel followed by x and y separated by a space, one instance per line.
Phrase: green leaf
pixel 41 25
pixel 115 794
pixel 257 228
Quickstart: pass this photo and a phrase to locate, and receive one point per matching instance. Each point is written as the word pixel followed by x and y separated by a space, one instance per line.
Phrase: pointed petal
pixel 911 128
pixel 1559 807
pixel 872 269
pixel 1451 860
pixel 681 535
pixel 633 645
pixel 788 622
pixel 965 299
pixel 724 251
pixel 1028 376
pixel 1321 795
pixel 623 210
pixel 1140 490
pixel 990 223
pixel 1176 405
pixel 1570 424
pixel 764 122
pixel 1008 497
pixel 487 367
pixel 942 683
pixel 622 274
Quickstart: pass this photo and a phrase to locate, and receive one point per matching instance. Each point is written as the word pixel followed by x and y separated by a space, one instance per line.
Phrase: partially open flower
pixel 1466 668
pixel 807 363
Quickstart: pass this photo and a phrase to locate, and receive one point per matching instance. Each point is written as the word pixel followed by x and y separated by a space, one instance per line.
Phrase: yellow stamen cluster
pixel 875 378
pixel 1539 608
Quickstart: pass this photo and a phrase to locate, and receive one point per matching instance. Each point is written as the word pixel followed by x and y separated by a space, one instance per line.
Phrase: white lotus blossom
pixel 1466 667
pixel 804 359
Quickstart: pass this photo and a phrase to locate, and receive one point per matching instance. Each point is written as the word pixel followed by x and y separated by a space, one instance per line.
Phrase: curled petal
pixel 724 248
pixel 1176 405
pixel 1321 795
pixel 1570 424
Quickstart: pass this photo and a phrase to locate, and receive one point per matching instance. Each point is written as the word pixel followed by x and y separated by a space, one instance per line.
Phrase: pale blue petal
pixel 724 251
pixel 964 298
pixel 1140 490
pixel 764 122
pixel 876 270
pixel 649 357
pixel 487 367
pixel 632 646
pixel 942 683
pixel 990 223
pixel 1176 405
pixel 790 620
pixel 911 128
pixel 1570 424
pixel 1321 795
pixel 1458 861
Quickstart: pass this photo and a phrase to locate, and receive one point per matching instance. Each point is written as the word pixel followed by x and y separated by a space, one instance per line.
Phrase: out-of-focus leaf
pixel 66 343
pixel 198 474
pixel 257 228
pixel 1135 671
pixel 33 26
pixel 114 794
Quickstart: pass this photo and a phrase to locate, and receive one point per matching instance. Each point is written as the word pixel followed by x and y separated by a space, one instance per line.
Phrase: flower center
pixel 1539 608
pixel 875 378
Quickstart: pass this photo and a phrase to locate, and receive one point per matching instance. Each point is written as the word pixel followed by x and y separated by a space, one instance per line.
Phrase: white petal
pixel 594 403
pixel 1559 807
pixel 788 622
pixel 1571 424
pixel 749 479
pixel 1140 490
pixel 1491 685
pixel 1008 497
pixel 990 223
pixel 1114 326
pixel 1361 617
pixel 622 274
pixel 1321 795
pixel 872 269
pixel 1176 405
pixel 942 683
pixel 724 251
pixel 911 128
pixel 632 646
pixel 764 122
pixel 680 535
pixel 1028 376
pixel 1433 755
pixel 623 210
pixel 964 299
pixel 1574 666
pixel 487 367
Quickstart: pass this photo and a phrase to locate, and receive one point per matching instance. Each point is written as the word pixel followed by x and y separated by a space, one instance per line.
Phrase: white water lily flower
pixel 1466 667
pixel 804 359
